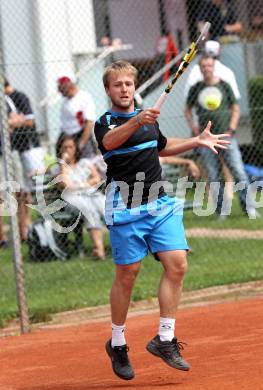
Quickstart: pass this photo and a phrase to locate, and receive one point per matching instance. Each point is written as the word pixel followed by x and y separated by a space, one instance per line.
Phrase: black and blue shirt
pixel 135 162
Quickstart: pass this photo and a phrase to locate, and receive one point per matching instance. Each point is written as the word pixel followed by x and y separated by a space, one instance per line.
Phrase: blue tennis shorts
pixel 155 227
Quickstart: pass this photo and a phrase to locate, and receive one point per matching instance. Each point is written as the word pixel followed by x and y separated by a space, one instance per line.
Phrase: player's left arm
pixel 206 140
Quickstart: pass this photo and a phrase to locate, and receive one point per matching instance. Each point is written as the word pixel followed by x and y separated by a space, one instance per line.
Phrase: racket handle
pixel 160 101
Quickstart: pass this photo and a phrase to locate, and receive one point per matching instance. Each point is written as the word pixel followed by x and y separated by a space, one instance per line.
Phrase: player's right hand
pixel 148 116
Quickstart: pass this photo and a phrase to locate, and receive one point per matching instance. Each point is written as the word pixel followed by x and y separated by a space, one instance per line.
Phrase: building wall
pixel 40 39
pixel 135 22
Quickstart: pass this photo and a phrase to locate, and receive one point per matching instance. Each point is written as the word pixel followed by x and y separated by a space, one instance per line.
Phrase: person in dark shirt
pixel 214 99
pixel 26 149
pixel 139 214
pixel 221 14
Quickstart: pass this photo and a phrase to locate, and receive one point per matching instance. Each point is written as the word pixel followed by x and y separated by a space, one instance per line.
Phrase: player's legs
pixel 128 248
pixel 121 290
pixel 165 344
pixel 175 267
pixel 167 241
pixel 120 296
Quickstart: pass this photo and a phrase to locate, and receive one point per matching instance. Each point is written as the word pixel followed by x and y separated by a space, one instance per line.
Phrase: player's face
pixel 207 67
pixel 121 88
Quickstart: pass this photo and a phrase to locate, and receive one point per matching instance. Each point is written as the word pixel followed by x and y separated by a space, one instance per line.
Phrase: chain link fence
pixel 48 46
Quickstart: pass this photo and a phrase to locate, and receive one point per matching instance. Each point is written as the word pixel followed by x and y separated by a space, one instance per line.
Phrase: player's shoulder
pixel 104 119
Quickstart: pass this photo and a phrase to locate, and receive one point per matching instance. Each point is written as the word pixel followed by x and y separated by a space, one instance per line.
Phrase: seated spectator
pixel 78 177
pixel 3 237
pixel 222 16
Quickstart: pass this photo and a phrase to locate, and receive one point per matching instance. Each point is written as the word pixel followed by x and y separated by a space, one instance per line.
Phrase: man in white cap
pixel 212 48
pixel 77 114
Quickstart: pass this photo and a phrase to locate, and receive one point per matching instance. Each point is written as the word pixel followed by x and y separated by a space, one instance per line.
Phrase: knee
pixel 127 276
pixel 178 269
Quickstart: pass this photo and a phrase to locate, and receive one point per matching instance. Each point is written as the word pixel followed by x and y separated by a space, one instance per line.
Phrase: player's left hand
pixel 212 141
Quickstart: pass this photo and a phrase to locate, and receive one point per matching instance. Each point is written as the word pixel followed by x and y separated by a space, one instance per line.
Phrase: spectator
pixel 256 18
pixel 3 237
pixel 78 176
pixel 221 15
pixel 214 100
pixel 213 49
pixel 27 154
pixel 77 115
pixel 182 161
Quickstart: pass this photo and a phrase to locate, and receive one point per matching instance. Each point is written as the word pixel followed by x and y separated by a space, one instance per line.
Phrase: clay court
pixel 225 344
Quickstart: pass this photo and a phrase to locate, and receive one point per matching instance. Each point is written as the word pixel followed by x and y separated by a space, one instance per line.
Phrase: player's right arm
pixel 118 135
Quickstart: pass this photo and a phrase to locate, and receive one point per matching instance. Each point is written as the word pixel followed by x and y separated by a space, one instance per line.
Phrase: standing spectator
pixel 77 114
pixel 26 149
pixel 255 11
pixel 214 100
pixel 212 48
pixel 222 16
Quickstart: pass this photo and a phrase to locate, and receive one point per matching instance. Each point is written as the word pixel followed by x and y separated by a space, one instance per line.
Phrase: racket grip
pixel 160 101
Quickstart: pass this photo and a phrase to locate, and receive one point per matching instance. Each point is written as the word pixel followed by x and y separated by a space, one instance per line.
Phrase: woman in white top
pixel 80 180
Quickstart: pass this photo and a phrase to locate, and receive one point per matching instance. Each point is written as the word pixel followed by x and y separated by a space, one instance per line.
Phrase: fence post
pixel 9 175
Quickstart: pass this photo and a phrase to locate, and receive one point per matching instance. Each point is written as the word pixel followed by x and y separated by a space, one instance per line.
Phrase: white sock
pixel 117 338
pixel 166 329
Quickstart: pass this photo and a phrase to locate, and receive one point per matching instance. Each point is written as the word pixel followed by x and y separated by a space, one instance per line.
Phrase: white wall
pixel 40 38
pixel 20 51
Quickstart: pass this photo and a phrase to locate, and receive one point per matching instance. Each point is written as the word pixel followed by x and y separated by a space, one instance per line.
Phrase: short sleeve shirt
pixel 137 159
pixel 212 103
pixel 218 17
pixel 75 111
pixel 22 138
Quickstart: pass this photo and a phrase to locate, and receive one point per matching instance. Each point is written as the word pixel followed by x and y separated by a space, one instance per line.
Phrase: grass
pixel 58 286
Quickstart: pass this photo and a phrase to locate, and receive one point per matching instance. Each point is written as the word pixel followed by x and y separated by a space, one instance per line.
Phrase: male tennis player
pixel 139 214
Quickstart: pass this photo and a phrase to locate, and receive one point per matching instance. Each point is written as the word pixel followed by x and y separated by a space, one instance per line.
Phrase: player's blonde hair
pixel 119 66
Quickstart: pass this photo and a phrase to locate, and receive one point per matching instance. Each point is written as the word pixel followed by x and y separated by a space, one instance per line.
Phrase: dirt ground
pixel 225 343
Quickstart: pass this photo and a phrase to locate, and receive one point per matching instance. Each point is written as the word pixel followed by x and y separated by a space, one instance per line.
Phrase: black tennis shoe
pixel 169 351
pixel 120 361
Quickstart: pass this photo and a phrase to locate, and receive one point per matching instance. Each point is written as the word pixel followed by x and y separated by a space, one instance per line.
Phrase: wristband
pixel 231 130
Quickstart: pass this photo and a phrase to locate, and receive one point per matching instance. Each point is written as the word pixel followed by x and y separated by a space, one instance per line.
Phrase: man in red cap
pixel 77 114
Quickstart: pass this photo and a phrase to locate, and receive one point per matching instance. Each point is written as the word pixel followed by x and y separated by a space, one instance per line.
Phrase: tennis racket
pixel 188 57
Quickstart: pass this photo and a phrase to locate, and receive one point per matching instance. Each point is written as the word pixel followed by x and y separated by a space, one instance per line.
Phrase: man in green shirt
pixel 214 100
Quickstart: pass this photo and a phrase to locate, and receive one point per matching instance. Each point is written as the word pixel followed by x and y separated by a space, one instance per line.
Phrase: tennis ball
pixel 212 102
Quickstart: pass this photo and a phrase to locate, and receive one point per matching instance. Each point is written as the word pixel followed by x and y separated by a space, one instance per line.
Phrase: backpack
pixel 45 244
